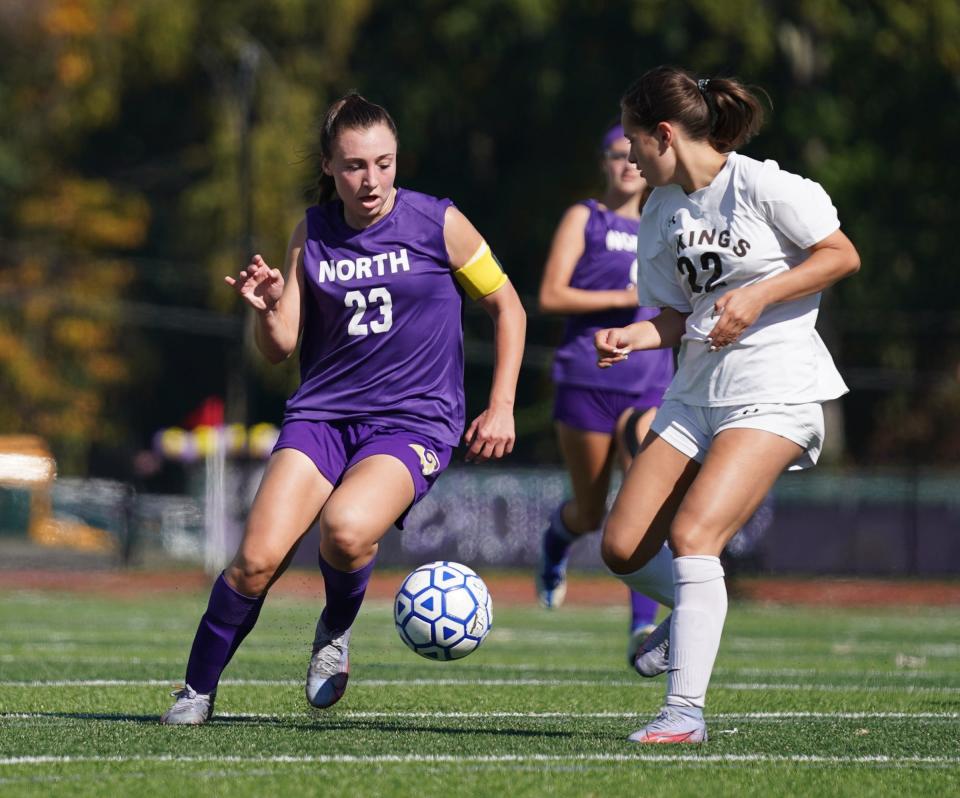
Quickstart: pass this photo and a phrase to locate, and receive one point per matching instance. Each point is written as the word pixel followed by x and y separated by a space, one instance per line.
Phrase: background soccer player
pixel 590 277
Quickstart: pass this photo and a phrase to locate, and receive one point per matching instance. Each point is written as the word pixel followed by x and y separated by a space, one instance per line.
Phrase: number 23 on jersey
pixel 378 297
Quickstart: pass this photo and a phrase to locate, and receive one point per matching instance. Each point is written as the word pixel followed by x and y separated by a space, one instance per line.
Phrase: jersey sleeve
pixel 795 206
pixel 657 284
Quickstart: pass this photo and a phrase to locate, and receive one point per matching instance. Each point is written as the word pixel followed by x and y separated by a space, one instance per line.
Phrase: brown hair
pixel 350 112
pixel 722 111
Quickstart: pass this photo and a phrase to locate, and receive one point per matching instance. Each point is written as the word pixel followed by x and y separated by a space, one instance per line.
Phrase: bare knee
pixel 342 538
pixel 625 548
pixel 689 536
pixel 619 548
pixel 615 555
pixel 251 572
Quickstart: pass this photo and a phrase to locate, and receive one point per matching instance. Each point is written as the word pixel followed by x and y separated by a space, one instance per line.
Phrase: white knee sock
pixel 655 579
pixel 698 615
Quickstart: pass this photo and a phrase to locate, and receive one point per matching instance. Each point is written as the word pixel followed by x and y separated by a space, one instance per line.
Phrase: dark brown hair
pixel 350 112
pixel 722 111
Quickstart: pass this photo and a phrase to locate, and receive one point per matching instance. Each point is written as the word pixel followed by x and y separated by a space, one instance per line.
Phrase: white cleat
pixel 673 725
pixel 190 709
pixel 329 667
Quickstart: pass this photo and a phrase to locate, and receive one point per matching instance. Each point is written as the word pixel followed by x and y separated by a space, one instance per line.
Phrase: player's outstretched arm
pixel 661 332
pixel 492 433
pixel 556 293
pixel 276 301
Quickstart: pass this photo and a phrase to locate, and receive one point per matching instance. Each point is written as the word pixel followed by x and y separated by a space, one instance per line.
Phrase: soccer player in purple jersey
pixel 375 278
pixel 590 276
pixel 735 252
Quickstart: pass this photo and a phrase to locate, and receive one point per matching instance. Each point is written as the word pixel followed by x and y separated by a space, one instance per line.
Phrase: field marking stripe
pixel 810 687
pixel 348 714
pixel 420 759
pixel 899 673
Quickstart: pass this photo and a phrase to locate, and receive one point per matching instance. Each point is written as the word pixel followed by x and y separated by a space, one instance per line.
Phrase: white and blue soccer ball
pixel 443 610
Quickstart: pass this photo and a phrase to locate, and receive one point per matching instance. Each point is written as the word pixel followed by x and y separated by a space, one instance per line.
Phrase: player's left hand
pixel 612 345
pixel 491 435
pixel 738 309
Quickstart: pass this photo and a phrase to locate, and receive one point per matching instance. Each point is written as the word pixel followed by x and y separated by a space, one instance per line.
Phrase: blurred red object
pixel 208 413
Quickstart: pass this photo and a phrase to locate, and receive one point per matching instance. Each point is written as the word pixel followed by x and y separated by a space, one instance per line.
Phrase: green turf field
pixel 803 702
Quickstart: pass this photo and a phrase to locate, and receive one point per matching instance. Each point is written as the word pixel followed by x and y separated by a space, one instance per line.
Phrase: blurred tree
pixel 65 232
pixel 148 149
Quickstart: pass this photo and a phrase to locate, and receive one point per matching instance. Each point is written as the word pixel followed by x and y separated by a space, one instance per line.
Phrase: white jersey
pixel 752 222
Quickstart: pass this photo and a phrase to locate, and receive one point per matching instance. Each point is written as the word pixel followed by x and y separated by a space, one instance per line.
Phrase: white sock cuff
pixel 655 579
pixel 696 568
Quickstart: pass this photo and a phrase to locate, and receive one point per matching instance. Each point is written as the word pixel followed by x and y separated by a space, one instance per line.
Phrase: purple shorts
pixel 597 409
pixel 335 446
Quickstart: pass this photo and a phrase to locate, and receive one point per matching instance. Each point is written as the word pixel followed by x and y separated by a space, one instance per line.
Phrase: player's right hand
pixel 612 345
pixel 258 284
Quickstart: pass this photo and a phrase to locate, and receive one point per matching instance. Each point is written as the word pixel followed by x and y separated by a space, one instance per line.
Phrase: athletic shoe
pixel 551 579
pixel 653 655
pixel 673 725
pixel 190 709
pixel 637 636
pixel 329 667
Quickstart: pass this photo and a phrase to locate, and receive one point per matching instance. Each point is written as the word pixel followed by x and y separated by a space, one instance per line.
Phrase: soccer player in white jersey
pixel 735 252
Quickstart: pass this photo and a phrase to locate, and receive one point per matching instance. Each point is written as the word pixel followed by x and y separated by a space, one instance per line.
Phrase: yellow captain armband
pixel 481 275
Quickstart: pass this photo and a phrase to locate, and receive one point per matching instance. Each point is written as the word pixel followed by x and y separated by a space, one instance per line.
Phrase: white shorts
pixel 690 428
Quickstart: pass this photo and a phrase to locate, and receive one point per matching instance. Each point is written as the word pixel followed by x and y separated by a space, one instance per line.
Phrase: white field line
pixel 893 672
pixel 807 687
pixel 499 715
pixel 494 759
pixel 818 645
pixel 803 645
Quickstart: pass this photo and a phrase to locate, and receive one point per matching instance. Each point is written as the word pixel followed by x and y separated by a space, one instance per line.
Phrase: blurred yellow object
pixel 27 464
pixel 205 440
pixel 68 533
pixel 263 437
pixel 174 442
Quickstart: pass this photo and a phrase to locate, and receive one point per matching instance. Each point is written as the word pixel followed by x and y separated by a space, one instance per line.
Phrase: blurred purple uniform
pixel 381 359
pixel 590 398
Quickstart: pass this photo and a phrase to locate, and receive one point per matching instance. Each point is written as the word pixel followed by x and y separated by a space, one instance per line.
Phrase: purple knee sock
pixel 558 539
pixel 345 590
pixel 642 610
pixel 229 618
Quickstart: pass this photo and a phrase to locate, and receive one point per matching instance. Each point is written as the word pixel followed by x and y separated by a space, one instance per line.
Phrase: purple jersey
pixel 382 334
pixel 609 262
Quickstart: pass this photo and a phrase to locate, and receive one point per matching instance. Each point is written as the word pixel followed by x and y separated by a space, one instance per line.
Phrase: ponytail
pixel 722 111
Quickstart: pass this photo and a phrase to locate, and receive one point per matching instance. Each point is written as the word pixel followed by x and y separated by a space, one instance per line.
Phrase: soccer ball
pixel 443 610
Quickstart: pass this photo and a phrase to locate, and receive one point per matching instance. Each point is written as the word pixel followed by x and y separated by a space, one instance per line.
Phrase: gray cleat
pixel 190 709
pixel 329 667
pixel 673 725
pixel 653 656
pixel 637 638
